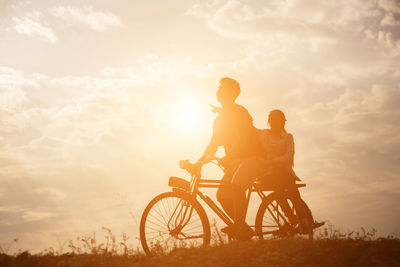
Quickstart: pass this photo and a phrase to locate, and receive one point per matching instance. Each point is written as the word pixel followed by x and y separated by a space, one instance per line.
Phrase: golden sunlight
pixel 186 115
pixel 187 119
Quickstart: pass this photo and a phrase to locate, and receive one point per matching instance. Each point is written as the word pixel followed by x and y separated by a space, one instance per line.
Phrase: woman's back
pixel 279 147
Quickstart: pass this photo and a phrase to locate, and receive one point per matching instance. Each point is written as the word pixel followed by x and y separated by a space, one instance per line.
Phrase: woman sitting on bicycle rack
pixel 278 169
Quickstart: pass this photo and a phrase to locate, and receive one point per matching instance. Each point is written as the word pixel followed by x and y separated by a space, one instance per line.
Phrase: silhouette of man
pixel 233 130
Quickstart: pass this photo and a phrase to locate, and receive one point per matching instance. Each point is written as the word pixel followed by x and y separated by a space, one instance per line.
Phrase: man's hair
pixel 232 85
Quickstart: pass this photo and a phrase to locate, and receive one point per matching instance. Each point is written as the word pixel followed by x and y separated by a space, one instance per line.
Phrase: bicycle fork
pixel 179 218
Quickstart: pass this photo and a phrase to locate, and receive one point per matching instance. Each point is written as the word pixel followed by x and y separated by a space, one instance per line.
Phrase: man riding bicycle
pixel 233 129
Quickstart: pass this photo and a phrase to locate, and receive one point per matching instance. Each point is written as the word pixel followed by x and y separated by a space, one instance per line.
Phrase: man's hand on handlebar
pixel 195 169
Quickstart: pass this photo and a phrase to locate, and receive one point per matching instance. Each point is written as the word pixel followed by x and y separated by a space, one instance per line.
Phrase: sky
pixel 99 100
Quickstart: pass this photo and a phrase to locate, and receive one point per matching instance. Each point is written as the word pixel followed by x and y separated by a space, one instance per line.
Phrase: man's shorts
pixel 248 171
pixel 242 175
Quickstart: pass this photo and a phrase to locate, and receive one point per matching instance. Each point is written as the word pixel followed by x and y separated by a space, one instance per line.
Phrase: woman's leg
pixel 282 199
pixel 302 210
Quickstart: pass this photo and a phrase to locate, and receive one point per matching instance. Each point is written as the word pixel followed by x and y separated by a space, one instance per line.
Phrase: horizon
pixel 100 101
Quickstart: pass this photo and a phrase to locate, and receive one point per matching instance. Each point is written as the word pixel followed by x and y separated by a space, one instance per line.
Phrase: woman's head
pixel 277 120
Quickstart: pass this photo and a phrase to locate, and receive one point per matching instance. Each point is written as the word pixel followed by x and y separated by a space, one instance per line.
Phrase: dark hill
pixel 289 252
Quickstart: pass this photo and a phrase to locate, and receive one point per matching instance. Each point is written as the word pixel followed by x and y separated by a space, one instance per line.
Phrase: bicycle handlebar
pixel 186 164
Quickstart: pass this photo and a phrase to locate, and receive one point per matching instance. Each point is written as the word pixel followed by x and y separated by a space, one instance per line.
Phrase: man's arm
pixel 210 150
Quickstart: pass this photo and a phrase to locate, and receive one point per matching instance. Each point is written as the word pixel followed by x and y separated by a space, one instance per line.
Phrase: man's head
pixel 228 91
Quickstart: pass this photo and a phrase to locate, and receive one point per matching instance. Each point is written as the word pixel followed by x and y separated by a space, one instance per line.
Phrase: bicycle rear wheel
pixel 272 223
pixel 173 220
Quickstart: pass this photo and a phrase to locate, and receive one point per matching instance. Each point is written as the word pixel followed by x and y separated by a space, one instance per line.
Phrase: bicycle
pixel 177 219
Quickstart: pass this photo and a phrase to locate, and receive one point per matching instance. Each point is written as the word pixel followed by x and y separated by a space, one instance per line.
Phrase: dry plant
pixel 8 246
pixel 111 246
pixel 216 236
pixel 332 233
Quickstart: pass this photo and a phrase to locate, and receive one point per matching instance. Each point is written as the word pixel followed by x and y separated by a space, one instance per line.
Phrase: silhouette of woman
pixel 278 171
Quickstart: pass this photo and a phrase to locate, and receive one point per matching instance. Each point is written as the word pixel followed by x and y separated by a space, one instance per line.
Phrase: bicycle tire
pixel 275 226
pixel 165 206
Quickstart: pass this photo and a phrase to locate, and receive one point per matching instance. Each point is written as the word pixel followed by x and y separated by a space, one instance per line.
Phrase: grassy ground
pixel 289 252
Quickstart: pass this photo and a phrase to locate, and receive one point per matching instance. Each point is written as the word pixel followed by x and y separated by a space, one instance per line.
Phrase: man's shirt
pixel 233 129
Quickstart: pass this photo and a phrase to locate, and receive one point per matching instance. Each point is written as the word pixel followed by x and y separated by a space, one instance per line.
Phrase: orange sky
pixel 99 102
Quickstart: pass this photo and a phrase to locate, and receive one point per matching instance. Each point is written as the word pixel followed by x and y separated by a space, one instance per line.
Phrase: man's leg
pixel 242 179
pixel 225 194
pixel 225 198
pixel 239 205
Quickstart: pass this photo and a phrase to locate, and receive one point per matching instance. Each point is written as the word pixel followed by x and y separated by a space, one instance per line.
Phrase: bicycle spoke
pixel 192 222
pixel 168 214
pixel 163 208
pixel 161 223
pixel 155 229
pixel 158 236
pixel 192 228
pixel 159 232
pixel 169 209
pixel 165 221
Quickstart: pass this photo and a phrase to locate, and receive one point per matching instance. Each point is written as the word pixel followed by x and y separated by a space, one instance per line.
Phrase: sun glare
pixel 187 115
pixel 187 119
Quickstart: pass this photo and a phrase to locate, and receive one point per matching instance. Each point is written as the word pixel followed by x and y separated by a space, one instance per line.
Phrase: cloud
pixel 86 15
pixel 245 19
pixel 37 215
pixel 30 24
pixel 85 138
pixel 390 6
pixel 390 20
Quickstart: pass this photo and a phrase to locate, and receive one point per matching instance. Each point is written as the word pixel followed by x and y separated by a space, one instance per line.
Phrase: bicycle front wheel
pixel 173 220
pixel 272 223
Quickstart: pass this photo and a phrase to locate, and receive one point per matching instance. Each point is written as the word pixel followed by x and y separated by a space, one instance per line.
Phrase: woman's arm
pixel 287 157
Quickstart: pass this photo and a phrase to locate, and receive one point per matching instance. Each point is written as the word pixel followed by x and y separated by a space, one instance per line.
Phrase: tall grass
pixel 330 247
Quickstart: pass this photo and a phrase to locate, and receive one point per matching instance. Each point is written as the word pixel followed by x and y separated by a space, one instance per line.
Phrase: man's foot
pixel 317 224
pixel 305 226
pixel 286 230
pixel 293 220
pixel 243 232
pixel 229 230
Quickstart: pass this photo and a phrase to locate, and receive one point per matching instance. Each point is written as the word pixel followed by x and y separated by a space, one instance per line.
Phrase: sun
pixel 187 118
pixel 187 115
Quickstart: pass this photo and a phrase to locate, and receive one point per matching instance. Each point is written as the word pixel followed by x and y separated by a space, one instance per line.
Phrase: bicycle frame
pixel 209 183
pixel 195 183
